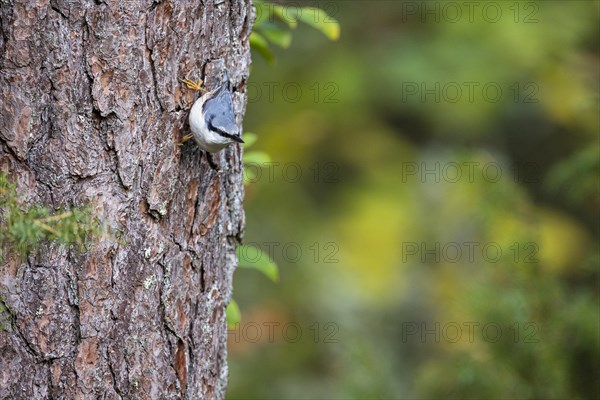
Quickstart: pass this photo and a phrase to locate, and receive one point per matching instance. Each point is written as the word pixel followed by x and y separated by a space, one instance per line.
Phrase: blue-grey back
pixel 218 110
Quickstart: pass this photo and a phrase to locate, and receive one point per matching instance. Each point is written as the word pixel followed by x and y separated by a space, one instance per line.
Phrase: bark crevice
pixel 97 122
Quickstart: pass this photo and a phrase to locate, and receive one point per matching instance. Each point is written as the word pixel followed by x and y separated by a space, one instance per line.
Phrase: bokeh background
pixel 432 242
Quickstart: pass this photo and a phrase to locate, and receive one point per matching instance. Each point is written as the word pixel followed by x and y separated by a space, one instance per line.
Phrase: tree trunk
pixel 92 111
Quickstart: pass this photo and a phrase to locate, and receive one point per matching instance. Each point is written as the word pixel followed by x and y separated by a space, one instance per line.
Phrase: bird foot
pixel 193 85
pixel 185 139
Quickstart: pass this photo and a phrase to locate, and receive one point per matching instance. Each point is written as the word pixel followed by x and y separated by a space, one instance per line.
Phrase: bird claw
pixel 193 85
pixel 185 139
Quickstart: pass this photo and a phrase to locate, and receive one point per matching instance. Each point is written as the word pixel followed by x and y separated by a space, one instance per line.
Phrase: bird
pixel 212 120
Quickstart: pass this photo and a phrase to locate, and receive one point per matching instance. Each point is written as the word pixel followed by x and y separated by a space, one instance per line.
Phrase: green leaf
pixel 261 13
pixel 280 13
pixel 233 314
pixel 254 258
pixel 277 35
pixel 321 21
pixel 249 139
pixel 260 44
pixel 256 157
pixel 577 176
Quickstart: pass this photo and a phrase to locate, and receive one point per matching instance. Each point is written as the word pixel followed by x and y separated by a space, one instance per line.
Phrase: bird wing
pixel 218 110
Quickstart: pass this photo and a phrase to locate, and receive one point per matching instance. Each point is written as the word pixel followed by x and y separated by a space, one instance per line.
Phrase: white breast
pixel 206 139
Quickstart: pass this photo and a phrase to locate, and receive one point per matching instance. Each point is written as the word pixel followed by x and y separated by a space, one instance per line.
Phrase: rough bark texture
pixel 91 111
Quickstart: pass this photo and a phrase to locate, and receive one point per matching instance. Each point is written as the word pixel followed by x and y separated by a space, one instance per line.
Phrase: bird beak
pixel 237 139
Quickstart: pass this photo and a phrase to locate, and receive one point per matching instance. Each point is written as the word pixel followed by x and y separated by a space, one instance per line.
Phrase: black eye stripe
pixel 219 131
pixel 223 133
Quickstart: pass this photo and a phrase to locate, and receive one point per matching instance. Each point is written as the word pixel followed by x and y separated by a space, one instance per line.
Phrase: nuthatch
pixel 212 120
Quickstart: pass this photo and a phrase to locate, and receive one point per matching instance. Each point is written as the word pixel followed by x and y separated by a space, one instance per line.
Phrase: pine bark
pixel 91 112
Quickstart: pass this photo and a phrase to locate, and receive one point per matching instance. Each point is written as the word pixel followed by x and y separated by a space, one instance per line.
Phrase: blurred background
pixel 432 203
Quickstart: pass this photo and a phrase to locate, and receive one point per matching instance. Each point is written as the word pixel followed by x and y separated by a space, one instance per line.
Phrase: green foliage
pixel 577 177
pixel 5 317
pixel 256 159
pixel 274 24
pixel 23 229
pixel 234 316
pixel 545 305
pixel 251 257
pixel 254 258
pixel 253 158
pixel 249 139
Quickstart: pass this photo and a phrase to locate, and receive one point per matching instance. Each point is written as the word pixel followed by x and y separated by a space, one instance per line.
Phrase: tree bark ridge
pixel 91 111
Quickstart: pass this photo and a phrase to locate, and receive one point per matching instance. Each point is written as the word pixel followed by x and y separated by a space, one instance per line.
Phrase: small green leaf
pixel 260 44
pixel 321 21
pixel 249 139
pixel 256 157
pixel 254 258
pixel 262 14
pixel 277 35
pixel 233 314
pixel 280 12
